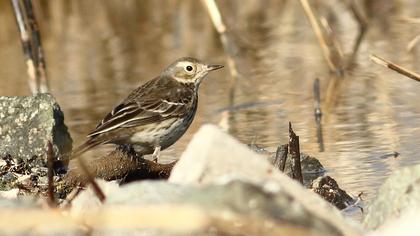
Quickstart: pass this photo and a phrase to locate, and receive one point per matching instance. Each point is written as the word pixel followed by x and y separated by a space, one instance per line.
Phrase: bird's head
pixel 189 70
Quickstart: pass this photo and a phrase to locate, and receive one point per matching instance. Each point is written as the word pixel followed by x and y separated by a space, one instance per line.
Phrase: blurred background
pixel 97 51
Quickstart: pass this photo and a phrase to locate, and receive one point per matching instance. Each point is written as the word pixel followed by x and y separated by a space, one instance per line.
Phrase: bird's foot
pixel 156 154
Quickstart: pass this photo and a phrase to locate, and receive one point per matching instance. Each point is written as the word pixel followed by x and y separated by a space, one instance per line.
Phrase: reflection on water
pixel 97 51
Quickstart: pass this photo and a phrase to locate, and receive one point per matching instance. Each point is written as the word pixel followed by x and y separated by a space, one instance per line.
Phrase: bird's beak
pixel 214 67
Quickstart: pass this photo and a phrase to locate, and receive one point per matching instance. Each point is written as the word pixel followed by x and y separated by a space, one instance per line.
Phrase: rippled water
pixel 98 51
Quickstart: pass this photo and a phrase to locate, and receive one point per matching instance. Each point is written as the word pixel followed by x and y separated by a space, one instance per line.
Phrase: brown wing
pixel 155 101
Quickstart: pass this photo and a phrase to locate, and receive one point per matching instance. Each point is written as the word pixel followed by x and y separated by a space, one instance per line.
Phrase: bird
pixel 156 114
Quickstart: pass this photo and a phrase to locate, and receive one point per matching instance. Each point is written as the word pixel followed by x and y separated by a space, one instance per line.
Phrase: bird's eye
pixel 189 68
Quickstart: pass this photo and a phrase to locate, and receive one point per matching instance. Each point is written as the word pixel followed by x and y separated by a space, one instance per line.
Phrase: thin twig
pixel 50 164
pixel 38 54
pixel 294 151
pixel 27 48
pixel 96 189
pixel 381 61
pixel 318 114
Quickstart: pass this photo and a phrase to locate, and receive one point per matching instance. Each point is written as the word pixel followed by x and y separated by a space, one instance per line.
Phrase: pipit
pixel 156 114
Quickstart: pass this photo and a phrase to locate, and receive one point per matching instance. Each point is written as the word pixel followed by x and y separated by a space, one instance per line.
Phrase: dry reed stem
pixel 358 15
pixel 27 47
pixel 220 27
pixel 38 54
pixel 320 36
pixel 413 43
pixel 381 61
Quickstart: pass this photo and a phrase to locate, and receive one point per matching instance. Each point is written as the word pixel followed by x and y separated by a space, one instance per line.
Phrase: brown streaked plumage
pixel 156 114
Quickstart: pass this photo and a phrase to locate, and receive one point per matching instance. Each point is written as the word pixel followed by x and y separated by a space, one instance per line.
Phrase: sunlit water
pixel 98 51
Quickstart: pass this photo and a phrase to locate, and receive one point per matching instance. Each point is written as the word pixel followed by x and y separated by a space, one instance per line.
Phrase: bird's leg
pixel 156 154
pixel 126 148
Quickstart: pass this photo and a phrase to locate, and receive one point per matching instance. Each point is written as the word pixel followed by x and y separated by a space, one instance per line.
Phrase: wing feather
pixel 145 105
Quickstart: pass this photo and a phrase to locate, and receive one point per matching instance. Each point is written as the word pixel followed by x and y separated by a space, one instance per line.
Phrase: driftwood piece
pixel 122 163
pixel 294 151
pixel 281 156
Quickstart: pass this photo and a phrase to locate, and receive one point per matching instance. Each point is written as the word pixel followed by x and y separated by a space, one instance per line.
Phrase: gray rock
pixel 214 157
pixel 399 195
pixel 228 209
pixel 406 224
pixel 27 123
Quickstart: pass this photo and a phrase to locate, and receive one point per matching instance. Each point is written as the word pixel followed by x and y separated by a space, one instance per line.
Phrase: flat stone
pixel 214 157
pixel 27 124
pixel 399 195
pixel 27 216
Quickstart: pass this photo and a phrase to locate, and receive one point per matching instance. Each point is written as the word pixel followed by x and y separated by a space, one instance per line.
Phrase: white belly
pixel 150 136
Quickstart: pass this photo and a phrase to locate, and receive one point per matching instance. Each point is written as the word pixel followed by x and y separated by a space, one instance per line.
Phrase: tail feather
pixel 83 148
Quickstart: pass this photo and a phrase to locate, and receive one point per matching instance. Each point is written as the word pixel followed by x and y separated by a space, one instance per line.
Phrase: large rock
pixel 399 195
pixel 27 124
pixel 214 157
pixel 235 208
pixel 406 224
